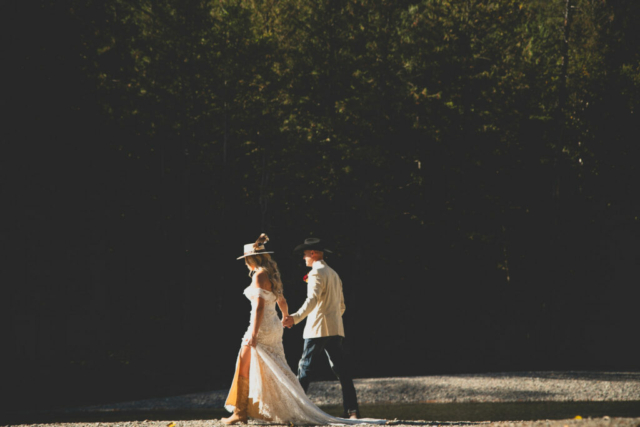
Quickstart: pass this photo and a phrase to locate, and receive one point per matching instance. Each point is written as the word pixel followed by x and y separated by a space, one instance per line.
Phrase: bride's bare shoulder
pixel 262 280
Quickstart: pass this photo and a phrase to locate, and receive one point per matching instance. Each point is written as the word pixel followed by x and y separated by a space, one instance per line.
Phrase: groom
pixel 323 308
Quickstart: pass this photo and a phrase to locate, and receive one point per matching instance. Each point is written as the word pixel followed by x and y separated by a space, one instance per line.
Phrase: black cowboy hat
pixel 312 244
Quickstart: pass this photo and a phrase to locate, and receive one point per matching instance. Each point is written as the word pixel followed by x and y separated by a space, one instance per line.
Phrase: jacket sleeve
pixel 342 306
pixel 314 289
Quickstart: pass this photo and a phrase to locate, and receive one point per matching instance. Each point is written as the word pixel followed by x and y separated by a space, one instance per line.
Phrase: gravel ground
pixel 591 422
pixel 476 388
pixel 495 387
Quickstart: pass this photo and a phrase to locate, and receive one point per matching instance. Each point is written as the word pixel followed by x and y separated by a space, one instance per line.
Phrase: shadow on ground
pixel 413 414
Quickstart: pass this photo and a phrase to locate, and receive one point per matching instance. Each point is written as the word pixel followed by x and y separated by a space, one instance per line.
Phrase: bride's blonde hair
pixel 264 261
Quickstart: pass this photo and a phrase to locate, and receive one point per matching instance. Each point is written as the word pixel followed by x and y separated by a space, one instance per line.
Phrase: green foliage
pixel 445 120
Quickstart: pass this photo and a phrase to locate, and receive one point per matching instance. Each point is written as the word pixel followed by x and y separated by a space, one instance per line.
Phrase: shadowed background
pixel 474 165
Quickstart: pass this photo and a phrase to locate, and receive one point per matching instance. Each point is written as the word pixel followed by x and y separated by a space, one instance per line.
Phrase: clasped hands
pixel 287 322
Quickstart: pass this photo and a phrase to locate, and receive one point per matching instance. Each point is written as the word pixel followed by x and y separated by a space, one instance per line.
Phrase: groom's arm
pixel 314 289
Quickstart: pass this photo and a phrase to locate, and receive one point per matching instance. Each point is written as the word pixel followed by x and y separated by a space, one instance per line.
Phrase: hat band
pixel 255 251
pixel 250 250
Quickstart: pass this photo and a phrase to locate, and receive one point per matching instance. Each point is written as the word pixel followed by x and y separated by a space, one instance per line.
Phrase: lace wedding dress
pixel 275 395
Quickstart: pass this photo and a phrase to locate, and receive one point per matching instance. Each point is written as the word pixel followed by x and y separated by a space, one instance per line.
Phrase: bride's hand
pixel 252 342
pixel 287 322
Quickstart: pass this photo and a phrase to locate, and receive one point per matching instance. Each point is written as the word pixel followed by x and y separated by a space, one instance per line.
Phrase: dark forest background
pixel 473 163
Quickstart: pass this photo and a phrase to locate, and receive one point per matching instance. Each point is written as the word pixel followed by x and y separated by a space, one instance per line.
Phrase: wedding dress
pixel 275 395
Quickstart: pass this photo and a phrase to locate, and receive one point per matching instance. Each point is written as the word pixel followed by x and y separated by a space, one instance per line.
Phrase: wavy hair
pixel 264 261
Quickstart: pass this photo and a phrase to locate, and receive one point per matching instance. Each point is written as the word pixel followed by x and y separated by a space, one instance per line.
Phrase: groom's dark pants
pixel 333 347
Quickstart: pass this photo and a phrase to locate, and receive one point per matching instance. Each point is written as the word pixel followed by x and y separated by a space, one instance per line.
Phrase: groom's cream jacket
pixel 324 305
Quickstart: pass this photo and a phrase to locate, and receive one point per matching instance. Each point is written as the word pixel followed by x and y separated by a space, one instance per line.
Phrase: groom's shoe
pixel 242 403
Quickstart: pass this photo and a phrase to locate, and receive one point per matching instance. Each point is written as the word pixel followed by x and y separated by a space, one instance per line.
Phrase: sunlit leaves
pixel 364 86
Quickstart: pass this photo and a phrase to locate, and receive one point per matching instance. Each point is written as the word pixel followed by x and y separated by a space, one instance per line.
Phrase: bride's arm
pixel 284 307
pixel 257 315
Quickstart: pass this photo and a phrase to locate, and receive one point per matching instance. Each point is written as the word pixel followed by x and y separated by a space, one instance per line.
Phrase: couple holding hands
pixel 264 387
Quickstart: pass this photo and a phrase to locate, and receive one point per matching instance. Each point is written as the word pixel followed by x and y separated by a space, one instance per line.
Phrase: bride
pixel 264 387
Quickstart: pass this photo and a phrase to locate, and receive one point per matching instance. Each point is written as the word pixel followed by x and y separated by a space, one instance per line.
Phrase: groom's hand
pixel 287 322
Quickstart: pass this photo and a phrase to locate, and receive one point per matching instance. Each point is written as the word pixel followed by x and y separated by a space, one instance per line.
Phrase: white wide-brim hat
pixel 249 250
